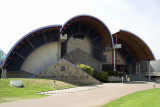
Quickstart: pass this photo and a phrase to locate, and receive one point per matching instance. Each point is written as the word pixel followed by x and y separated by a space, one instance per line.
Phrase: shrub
pixel 112 73
pixel 101 76
pixel 87 69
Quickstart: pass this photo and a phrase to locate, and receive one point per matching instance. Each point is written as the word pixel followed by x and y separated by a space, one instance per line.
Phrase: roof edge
pixel 58 25
pixel 91 17
pixel 139 39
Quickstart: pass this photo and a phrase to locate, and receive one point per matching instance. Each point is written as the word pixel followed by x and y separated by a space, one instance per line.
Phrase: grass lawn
pixel 31 86
pixel 146 98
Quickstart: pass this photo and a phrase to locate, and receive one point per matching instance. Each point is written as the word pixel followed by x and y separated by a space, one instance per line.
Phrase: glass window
pixel 62 68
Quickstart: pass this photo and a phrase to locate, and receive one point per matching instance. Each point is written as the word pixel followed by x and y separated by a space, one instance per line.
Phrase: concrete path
pixel 95 96
pixel 72 90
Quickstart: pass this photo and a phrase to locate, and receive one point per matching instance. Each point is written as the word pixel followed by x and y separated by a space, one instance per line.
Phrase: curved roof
pixel 136 46
pixel 21 42
pixel 94 22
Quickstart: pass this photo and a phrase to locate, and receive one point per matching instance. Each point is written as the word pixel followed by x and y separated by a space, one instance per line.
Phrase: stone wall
pixel 71 73
pixel 79 56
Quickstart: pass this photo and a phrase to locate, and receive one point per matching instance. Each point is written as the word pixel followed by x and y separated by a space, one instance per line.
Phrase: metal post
pixel 139 70
pixel 122 79
pixel 54 83
pixel 149 76
pixel 114 61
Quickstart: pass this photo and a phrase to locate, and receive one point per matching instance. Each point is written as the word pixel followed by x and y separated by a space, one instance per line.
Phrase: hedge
pixel 112 73
pixel 101 76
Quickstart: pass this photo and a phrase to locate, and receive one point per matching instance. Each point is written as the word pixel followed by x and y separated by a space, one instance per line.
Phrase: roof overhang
pixel 136 46
pixel 95 23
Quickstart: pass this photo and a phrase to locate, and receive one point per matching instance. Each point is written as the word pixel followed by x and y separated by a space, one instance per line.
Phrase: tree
pixel 2 61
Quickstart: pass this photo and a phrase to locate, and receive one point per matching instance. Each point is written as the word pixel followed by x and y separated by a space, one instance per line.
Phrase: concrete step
pixel 137 78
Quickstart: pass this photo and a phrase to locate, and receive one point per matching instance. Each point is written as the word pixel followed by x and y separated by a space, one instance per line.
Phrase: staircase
pixel 136 78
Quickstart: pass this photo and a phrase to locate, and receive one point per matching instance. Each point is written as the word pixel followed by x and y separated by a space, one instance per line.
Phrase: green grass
pixel 146 98
pixel 31 86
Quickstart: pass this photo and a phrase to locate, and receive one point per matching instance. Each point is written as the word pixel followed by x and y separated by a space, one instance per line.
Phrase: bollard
pixel 154 86
pixel 54 83
pixel 122 79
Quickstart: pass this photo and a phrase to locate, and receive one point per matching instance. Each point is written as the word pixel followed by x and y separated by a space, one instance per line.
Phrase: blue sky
pixel 141 17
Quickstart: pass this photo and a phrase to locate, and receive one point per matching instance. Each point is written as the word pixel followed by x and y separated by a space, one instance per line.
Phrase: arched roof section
pixel 94 22
pixel 135 45
pixel 28 43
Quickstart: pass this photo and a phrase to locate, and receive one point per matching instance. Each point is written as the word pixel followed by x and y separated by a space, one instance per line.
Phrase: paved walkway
pixel 92 96
pixel 73 90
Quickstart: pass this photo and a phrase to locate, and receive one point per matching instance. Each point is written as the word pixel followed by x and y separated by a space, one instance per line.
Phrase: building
pixel 56 50
pixel 2 56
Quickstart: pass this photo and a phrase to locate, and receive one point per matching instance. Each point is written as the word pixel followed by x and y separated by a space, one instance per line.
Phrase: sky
pixel 141 17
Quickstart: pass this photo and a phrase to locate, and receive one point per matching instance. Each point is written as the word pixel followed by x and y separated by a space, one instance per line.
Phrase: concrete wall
pixel 120 59
pixel 71 73
pixel 79 51
pixel 41 58
pixel 155 70
pixel 84 44
pixel 155 66
pixel 143 66
pixel 78 56
pixel 108 55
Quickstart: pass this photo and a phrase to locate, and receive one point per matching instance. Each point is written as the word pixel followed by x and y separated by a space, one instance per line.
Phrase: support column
pixel 136 69
pixel 3 73
pixel 58 50
pixel 139 71
pixel 116 46
pixel 114 61
pixel 130 69
pixel 149 76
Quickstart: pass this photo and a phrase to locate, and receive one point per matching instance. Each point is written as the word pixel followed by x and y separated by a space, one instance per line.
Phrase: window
pixel 106 67
pixel 62 68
